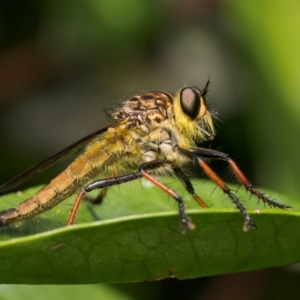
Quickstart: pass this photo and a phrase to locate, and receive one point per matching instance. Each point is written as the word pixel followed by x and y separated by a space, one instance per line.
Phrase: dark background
pixel 63 63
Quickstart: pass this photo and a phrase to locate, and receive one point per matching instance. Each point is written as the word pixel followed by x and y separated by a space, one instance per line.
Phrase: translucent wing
pixel 55 159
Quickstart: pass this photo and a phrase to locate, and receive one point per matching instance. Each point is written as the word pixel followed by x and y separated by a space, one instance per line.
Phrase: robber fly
pixel 154 133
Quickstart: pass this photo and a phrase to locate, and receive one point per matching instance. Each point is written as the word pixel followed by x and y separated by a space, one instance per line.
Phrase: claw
pixel 249 225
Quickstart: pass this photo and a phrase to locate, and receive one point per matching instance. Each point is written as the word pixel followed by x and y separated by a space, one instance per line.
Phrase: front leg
pixel 213 154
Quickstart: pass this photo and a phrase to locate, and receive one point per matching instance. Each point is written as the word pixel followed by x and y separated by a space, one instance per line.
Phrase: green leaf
pixel 59 292
pixel 138 238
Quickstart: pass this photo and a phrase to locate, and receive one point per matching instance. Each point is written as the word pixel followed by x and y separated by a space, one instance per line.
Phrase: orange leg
pixel 75 207
pixel 213 154
pixel 188 186
pixel 214 177
pixel 248 186
pixel 183 218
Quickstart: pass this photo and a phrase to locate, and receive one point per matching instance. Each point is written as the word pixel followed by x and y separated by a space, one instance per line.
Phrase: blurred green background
pixel 62 63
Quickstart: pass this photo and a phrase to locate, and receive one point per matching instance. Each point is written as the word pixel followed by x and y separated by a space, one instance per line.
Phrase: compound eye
pixel 190 102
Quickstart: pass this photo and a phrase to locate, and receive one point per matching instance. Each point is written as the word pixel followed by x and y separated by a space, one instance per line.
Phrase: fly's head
pixel 191 115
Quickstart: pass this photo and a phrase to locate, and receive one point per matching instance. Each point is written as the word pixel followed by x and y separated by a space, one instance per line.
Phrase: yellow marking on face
pixel 202 111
